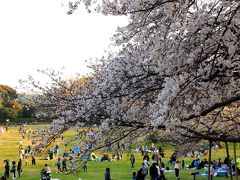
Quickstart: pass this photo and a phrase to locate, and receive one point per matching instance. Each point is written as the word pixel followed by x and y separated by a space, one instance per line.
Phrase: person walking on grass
pixel 7 170
pixel 59 165
pixel 85 166
pixel 107 174
pixel 19 167
pixel 64 165
pixel 26 159
pixel 212 171
pixel 13 169
pixel 145 169
pixel 177 169
pixel 132 160
pixel 33 159
pixel 140 174
pixel 153 171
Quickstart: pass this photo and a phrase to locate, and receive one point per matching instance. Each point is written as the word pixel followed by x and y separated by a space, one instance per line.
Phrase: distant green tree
pixel 7 93
pixel 28 106
pixel 9 107
pixel 9 113
pixel 28 111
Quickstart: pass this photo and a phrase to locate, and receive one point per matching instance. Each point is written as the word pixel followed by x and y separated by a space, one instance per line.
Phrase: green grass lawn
pixel 120 170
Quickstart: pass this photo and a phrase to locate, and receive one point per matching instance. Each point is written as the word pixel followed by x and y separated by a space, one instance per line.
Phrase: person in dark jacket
pixel 64 164
pixel 146 157
pixel 107 174
pixel 140 174
pixel 33 159
pixel 153 172
pixel 13 169
pixel 226 160
pixel 19 167
pixel 132 160
pixel 7 170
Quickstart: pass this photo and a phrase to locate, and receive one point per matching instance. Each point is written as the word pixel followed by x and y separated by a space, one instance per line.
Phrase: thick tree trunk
pixel 235 160
pixel 229 164
pixel 209 159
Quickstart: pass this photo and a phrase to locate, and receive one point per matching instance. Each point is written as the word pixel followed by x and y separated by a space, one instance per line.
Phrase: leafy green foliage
pixel 9 113
pixel 7 93
pixel 9 107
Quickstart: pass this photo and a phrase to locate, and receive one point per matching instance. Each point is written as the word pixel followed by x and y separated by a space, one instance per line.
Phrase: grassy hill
pixel 120 170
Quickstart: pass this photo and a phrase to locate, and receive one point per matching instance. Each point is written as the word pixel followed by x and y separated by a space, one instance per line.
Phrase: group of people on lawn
pixel 156 170
pixel 215 165
pixel 16 167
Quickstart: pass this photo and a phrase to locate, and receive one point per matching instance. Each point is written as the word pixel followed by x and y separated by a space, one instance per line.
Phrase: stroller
pixel 45 176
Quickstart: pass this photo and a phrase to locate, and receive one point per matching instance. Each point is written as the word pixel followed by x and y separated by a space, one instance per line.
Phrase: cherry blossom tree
pixel 189 52
pixel 177 72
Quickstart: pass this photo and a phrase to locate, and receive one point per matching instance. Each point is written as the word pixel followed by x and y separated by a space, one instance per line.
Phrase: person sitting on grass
pixel 105 158
pixel 212 171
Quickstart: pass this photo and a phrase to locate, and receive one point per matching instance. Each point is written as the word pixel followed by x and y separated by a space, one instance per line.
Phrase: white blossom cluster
pixel 178 72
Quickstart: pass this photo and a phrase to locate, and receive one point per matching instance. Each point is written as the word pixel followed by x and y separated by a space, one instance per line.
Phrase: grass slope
pixel 120 170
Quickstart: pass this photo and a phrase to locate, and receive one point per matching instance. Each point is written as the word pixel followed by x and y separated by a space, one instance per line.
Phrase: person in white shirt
pixel 177 169
pixel 212 171
pixel 22 153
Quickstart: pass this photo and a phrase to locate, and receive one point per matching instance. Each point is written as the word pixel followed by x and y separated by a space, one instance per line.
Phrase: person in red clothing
pixel 219 163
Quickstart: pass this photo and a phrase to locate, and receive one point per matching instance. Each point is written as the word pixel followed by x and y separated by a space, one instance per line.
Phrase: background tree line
pixel 14 105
